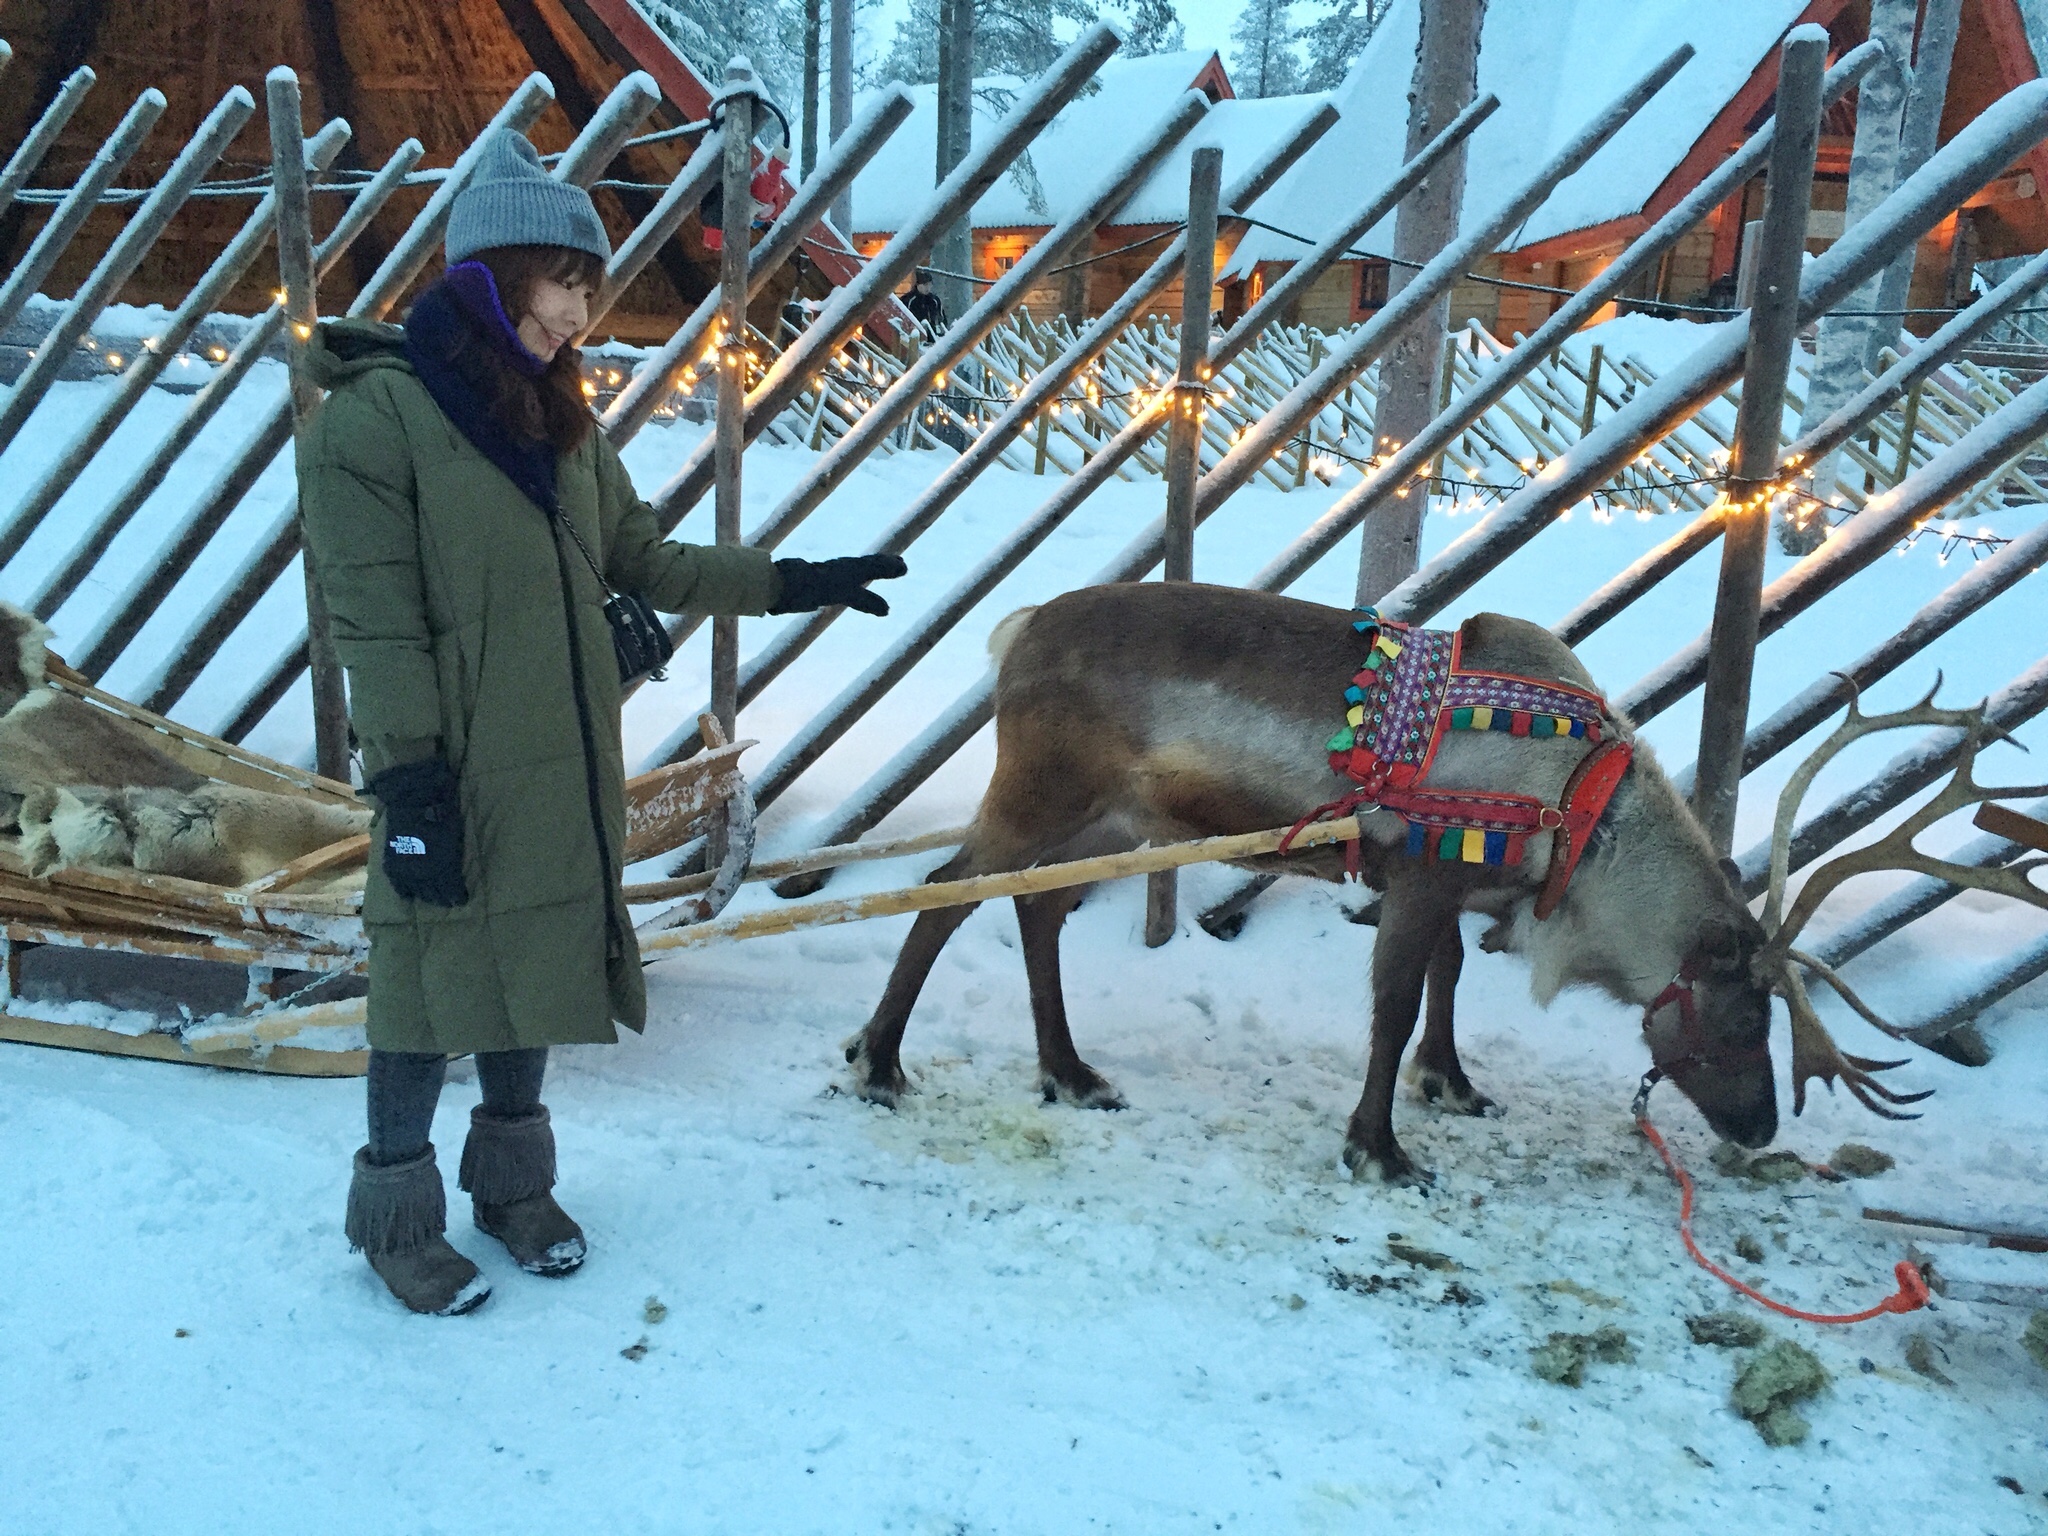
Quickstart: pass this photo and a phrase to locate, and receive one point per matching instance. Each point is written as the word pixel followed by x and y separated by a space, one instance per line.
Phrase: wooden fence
pixel 1538 424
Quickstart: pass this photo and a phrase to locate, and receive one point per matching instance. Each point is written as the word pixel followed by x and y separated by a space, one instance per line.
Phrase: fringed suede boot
pixel 508 1167
pixel 397 1215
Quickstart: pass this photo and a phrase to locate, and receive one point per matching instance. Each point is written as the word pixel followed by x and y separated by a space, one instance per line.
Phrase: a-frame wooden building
pixel 435 70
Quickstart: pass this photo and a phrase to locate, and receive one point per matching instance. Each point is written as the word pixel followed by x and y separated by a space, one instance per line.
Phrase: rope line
pixel 1910 1296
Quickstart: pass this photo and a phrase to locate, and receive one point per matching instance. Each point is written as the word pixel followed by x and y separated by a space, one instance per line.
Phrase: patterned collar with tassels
pixel 1412 688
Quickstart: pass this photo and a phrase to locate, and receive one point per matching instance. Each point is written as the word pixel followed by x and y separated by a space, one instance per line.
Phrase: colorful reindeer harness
pixel 1412 689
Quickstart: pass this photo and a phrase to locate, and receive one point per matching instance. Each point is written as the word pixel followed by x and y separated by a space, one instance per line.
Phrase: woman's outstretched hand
pixel 812 584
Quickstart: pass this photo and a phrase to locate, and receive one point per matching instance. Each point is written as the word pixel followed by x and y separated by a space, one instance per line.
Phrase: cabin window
pixel 1002 264
pixel 1372 285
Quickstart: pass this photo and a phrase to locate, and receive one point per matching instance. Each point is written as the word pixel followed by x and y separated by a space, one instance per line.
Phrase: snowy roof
pixel 1553 66
pixel 1077 149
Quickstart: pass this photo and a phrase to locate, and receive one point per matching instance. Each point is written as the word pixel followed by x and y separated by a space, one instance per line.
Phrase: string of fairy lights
pixel 861 379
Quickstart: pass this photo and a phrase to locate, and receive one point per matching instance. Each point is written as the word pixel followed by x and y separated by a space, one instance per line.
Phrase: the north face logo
pixel 408 845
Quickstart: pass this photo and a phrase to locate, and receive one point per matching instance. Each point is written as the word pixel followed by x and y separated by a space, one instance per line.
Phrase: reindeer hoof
pixel 1455 1094
pixel 1391 1167
pixel 871 1081
pixel 1086 1089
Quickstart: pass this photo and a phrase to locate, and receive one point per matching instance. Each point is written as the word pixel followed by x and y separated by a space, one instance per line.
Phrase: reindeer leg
pixel 1413 916
pixel 1436 1070
pixel 875 1054
pixel 1062 1074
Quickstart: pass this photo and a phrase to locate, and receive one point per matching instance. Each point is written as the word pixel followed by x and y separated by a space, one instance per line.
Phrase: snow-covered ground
pixel 981 1314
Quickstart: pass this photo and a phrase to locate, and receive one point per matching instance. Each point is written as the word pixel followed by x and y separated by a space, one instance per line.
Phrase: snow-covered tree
pixel 710 32
pixel 1263 57
pixel 1011 37
pixel 1336 38
pixel 1152 26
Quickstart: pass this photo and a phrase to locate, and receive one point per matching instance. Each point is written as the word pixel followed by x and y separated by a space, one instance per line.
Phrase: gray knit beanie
pixel 510 199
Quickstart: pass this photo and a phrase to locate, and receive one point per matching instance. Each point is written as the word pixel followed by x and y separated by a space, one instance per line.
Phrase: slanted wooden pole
pixel 1184 440
pixel 302 314
pixel 23 162
pixel 1759 426
pixel 737 104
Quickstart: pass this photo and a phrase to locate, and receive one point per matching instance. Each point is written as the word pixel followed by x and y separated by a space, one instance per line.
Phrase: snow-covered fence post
pixel 1907 373
pixel 79 202
pixel 120 259
pixel 1935 1030
pixel 2006 129
pixel 849 308
pixel 201 302
pixel 1184 441
pixel 1641 255
pixel 850 153
pixel 302 313
pixel 1860 543
pixel 1933 51
pixel 1033 406
pixel 735 111
pixel 1759 426
pixel 684 196
pixel 23 162
pixel 150 362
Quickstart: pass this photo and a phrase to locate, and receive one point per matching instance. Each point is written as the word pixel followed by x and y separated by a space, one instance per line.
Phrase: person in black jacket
pixel 924 303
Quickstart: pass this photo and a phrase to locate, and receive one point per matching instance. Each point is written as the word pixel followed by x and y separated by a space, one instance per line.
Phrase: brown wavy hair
pixel 551 407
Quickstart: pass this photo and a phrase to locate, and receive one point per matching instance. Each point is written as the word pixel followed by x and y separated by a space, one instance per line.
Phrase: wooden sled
pixel 300 926
pixel 297 927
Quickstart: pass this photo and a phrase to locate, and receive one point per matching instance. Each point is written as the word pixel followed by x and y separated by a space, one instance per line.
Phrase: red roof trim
pixel 1213 80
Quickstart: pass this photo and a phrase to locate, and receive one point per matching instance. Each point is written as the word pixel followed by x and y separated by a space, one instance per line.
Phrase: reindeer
pixel 1166 711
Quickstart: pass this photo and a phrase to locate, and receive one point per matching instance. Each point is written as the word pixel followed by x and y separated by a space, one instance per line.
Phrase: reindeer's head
pixel 1719 1061
pixel 1709 1032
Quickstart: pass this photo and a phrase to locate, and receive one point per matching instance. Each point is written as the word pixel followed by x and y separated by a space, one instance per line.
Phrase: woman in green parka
pixel 459 504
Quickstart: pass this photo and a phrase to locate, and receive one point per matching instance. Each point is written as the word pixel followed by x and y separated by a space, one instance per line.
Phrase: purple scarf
pixel 477 292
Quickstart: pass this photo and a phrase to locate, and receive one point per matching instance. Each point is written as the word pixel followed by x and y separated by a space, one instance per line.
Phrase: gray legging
pixel 406 1085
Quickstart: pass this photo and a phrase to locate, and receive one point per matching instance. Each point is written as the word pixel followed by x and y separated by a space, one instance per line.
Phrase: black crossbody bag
pixel 639 639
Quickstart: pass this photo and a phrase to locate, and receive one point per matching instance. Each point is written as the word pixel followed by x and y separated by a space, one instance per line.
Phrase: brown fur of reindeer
pixel 1814 1052
pixel 86 789
pixel 1168 711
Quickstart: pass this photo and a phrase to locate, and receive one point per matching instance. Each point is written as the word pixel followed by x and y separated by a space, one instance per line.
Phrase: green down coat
pixel 446 587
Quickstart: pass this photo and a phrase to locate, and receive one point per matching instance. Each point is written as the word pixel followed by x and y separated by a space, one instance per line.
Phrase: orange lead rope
pixel 1909 1297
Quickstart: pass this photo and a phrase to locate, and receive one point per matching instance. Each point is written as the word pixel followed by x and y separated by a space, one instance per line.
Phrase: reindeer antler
pixel 1815 1055
pixel 1855 725
pixel 1814 1052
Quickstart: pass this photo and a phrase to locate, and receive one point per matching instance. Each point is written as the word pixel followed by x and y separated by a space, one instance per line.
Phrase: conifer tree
pixel 1335 39
pixel 1264 61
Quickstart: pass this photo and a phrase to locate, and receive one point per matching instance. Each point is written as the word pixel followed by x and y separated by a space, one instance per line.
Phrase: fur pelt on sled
pixel 86 788
pixel 49 738
pixel 220 833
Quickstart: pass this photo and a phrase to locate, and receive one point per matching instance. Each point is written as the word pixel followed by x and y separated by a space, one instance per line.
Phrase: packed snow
pixel 983 1314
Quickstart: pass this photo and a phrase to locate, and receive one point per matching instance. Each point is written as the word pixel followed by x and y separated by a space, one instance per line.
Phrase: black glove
pixel 422 831
pixel 811 584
